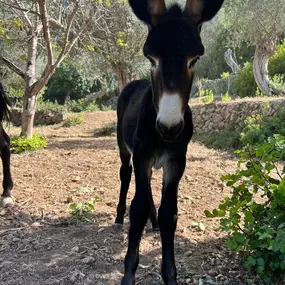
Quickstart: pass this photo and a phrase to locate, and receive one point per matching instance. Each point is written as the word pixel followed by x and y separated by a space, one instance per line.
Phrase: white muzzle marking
pixel 170 110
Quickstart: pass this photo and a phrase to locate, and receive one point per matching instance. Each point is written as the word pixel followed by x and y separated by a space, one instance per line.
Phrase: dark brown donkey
pixel 155 122
pixel 5 149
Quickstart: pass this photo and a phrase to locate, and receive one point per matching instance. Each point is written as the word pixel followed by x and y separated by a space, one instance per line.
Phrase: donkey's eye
pixel 152 61
pixel 192 63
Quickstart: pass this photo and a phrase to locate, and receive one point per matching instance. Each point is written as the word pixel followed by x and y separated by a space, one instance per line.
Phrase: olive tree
pixel 260 24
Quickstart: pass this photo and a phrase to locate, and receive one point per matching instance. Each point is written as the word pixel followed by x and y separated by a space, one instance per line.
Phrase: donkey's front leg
pixel 139 214
pixel 7 178
pixel 167 217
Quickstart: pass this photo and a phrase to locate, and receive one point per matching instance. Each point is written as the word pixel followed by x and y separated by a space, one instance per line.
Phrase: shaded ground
pixel 39 246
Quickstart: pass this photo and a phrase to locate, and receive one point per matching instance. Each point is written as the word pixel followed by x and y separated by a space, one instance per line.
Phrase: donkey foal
pixel 155 123
pixel 5 150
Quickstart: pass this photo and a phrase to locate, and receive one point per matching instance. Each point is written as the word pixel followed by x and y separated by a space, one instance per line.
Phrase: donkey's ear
pixel 148 10
pixel 201 11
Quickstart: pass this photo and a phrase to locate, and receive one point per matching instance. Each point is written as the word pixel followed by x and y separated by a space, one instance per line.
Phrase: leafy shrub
pixel 81 105
pixel 225 75
pixel 67 81
pixel 244 84
pixel 83 211
pixel 279 81
pixel 227 140
pixel 73 120
pixel 276 62
pixel 254 215
pixel 47 105
pixel 207 95
pixel 259 128
pixel 23 144
pixel 107 130
pixel 106 108
pixel 226 97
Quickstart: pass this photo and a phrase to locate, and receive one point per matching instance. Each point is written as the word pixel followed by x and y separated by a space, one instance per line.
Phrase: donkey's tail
pixel 4 105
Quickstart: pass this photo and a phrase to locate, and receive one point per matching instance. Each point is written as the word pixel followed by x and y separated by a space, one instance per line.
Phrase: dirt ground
pixel 38 244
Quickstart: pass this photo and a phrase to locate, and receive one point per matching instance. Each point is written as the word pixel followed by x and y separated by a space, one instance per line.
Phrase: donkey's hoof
pixel 7 202
pixel 117 227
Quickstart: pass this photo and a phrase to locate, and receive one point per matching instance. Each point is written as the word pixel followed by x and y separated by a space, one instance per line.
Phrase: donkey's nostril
pixel 161 128
pixel 176 130
pixel 169 133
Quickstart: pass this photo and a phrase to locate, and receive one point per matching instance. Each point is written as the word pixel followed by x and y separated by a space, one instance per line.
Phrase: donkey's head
pixel 173 46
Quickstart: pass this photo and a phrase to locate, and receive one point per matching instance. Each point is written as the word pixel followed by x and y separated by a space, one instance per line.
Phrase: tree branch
pixel 46 32
pixel 67 46
pixel 24 14
pixel 12 66
pixel 20 8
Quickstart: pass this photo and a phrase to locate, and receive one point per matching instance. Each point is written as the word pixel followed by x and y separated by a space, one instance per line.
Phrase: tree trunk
pixel 29 102
pixel 231 62
pixel 121 77
pixel 263 52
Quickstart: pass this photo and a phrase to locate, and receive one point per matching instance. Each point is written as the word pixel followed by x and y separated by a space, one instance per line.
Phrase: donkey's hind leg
pixel 125 177
pixel 7 178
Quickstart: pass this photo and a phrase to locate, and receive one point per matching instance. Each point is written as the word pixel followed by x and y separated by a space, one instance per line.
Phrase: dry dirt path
pixel 77 166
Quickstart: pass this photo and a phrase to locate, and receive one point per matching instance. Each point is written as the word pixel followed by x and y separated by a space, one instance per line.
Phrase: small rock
pixel 188 253
pixel 74 249
pixel 88 260
pixel 35 224
pixel 75 179
pixel 5 264
pixel 212 272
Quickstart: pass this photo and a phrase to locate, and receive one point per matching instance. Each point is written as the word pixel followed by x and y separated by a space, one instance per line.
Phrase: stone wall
pixel 42 117
pixel 230 116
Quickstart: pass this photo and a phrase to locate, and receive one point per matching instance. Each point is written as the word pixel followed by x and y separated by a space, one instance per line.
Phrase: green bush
pixel 226 97
pixel 227 140
pixel 73 120
pixel 207 95
pixel 47 105
pixel 276 62
pixel 254 215
pixel 83 211
pixel 259 128
pixel 23 144
pixel 81 105
pixel 107 130
pixel 244 84
pixel 66 82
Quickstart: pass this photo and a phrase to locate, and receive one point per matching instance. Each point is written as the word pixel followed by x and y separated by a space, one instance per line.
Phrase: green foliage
pixel 227 140
pixel 106 108
pixel 83 211
pixel 244 85
pixel 47 105
pixel 65 83
pixel 23 144
pixel 225 75
pixel 73 120
pixel 259 128
pixel 82 105
pixel 207 95
pixel 254 215
pixel 107 130
pixel 226 97
pixel 276 62
pixel 278 81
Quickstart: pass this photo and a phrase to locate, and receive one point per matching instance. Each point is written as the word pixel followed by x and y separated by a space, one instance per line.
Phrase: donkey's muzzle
pixel 169 133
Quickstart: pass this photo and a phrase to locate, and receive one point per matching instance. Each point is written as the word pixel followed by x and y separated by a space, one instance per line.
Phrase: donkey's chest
pixel 160 159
